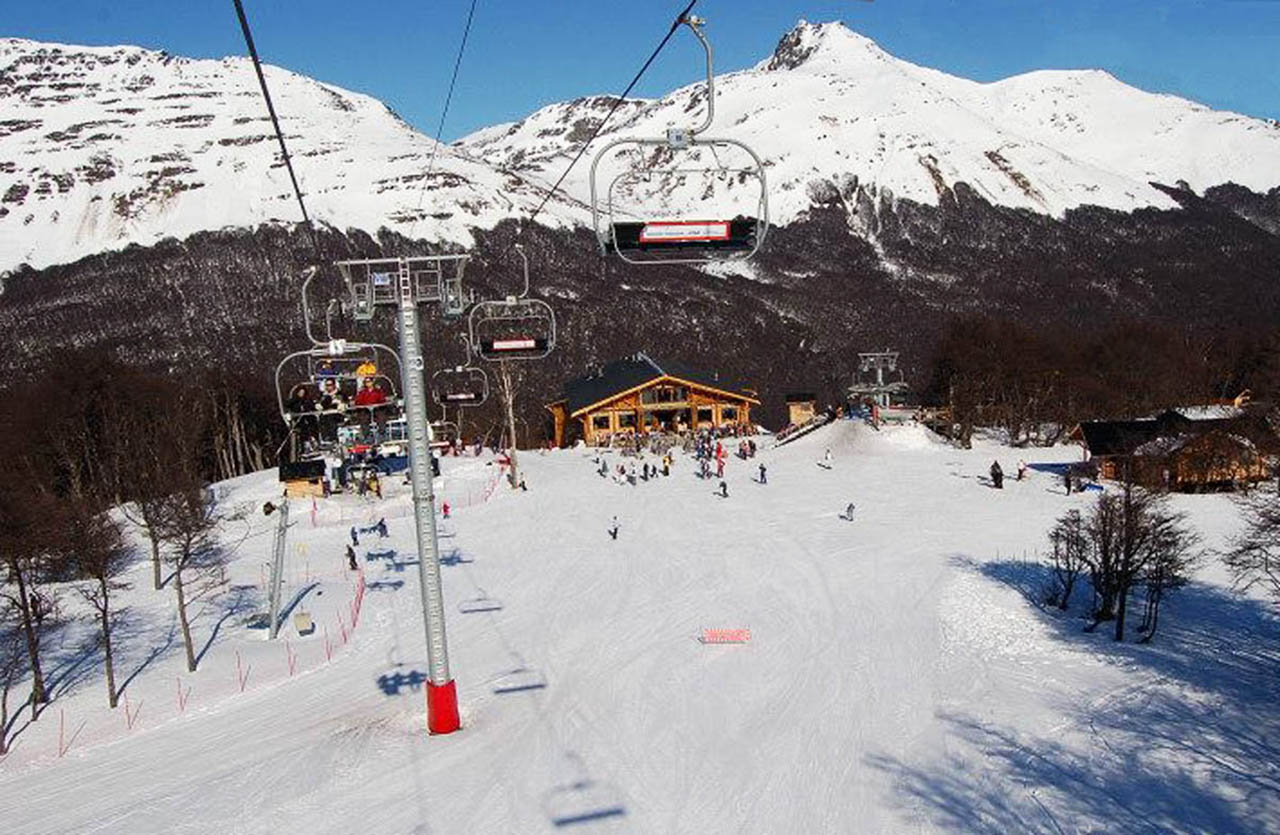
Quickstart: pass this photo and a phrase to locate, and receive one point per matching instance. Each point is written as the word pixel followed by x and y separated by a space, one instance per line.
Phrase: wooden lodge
pixel 639 394
pixel 1181 452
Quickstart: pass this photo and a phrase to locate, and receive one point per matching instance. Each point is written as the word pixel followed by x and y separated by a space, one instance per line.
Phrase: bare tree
pixel 25 532
pixel 1254 557
pixel 188 524
pixel 98 551
pixel 1170 562
pixel 1133 536
pixel 12 663
pixel 1070 550
pixel 508 387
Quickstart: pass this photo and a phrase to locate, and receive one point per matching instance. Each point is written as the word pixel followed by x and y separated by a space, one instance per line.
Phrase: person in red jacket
pixel 370 394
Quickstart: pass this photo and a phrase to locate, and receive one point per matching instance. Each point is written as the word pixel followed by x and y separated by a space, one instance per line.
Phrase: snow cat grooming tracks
pixel 665 163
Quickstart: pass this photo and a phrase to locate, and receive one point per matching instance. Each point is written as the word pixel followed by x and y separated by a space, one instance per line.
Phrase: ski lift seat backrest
pixel 733 235
pixel 512 329
pixel 465 386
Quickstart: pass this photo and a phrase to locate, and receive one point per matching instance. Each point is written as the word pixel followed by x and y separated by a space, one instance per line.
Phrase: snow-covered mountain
pixel 102 147
pixel 105 146
pixel 831 107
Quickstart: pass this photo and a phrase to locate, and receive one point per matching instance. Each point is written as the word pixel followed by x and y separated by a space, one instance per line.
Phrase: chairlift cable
pixel 444 111
pixel 275 121
pixel 675 24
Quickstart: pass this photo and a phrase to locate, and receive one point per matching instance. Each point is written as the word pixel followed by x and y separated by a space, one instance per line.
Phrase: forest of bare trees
pixel 100 447
pixel 1036 384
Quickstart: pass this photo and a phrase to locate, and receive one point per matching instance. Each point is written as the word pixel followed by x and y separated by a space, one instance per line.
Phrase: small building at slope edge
pixel 640 394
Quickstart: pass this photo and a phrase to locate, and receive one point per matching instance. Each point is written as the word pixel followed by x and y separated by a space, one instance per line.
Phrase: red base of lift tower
pixel 442 708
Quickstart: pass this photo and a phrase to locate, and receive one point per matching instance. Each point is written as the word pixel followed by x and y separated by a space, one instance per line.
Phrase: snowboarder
pixel 997 475
pixel 724 490
pixel 763 478
pixel 351 558
pixel 826 460
pixel 848 512
pixel 523 486
pixel 355 540
pixel 613 529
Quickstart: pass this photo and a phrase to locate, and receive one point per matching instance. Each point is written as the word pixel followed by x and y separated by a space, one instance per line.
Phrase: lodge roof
pixel 635 371
pixel 1126 437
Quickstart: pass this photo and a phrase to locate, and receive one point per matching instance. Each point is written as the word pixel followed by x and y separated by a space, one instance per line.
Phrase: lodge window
pixel 728 413
pixel 663 394
pixel 600 421
pixel 626 420
pixel 704 415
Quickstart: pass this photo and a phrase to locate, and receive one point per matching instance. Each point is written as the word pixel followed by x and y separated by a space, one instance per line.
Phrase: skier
pixel 826 459
pixel 355 540
pixel 631 474
pixel 613 529
pixel 351 558
pixel 381 528
pixel 997 475
pixel 724 490
pixel 719 468
pixel 666 466
pixel 763 478
pixel 523 486
pixel 1022 470
pixel 444 508
pixel 848 512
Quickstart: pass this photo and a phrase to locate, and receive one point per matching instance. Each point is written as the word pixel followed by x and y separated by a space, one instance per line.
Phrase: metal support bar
pixel 277 567
pixel 419 431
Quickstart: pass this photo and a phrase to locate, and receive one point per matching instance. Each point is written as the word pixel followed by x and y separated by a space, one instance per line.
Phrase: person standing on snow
pixel 351 558
pixel 724 490
pixel 613 529
pixel 997 475
pixel 827 459
pixel 763 478
pixel 848 512
pixel 1022 470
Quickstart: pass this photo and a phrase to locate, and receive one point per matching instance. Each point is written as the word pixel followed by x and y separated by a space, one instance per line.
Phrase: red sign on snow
pixel 725 636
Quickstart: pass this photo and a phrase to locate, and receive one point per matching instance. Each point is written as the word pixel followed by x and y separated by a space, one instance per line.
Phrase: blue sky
pixel 526 53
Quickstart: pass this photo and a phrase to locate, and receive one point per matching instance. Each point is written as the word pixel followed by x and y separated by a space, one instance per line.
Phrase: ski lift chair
pixel 677 240
pixel 515 328
pixel 463 386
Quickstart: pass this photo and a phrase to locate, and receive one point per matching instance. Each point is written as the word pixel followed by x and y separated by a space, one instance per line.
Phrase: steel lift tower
pixel 406 283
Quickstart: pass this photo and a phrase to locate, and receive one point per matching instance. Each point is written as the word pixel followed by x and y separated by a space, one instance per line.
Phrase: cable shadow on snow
pixel 1188 744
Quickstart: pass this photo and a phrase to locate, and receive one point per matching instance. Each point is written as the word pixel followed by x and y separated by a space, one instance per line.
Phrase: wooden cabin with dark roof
pixel 640 394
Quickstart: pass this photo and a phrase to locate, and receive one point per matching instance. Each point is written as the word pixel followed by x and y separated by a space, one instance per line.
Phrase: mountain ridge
pixel 107 146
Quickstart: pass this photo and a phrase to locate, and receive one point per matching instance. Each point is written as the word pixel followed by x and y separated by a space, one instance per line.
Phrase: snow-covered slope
pixel 830 106
pixel 899 675
pixel 105 146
